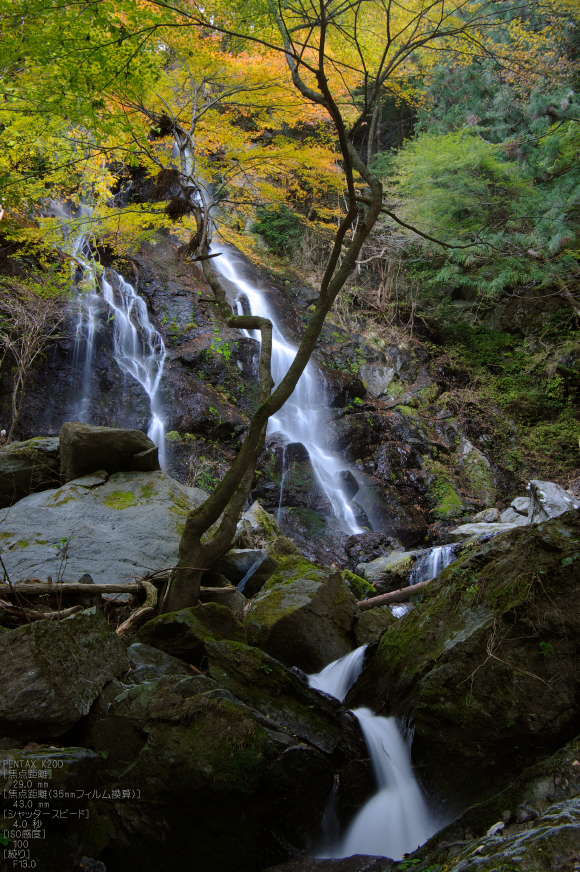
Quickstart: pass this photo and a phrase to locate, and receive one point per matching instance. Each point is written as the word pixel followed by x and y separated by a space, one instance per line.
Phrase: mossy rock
pixel 233 787
pixel 28 467
pixel 303 616
pixel 390 572
pixel 358 586
pixel 183 634
pixel 268 686
pixel 53 670
pixel 484 667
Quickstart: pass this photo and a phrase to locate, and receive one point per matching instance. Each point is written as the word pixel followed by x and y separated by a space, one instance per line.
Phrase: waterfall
pixel 303 418
pixel 395 821
pixel 432 563
pixel 138 348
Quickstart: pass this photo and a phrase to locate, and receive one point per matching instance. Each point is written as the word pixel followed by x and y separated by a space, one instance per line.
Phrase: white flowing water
pixel 138 348
pixel 303 418
pixel 396 820
pixel 432 563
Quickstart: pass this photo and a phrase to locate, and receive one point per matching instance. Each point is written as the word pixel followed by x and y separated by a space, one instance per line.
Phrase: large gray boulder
pixel 119 528
pixel 53 670
pixel 85 449
pixel 303 616
pixel 28 467
pixel 548 500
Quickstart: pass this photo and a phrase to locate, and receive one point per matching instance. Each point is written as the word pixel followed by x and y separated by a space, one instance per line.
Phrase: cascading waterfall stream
pixel 396 820
pixel 432 563
pixel 138 348
pixel 302 418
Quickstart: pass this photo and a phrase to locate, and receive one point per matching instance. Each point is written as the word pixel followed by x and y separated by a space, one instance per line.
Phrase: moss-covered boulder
pixel 485 667
pixel 271 688
pixel 121 526
pixel 204 781
pixel 267 563
pixel 28 467
pixel 390 572
pixel 183 634
pixel 53 670
pixel 303 616
pixel 256 528
pixel 358 586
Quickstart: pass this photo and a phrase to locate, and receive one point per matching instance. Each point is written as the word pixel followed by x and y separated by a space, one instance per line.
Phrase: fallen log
pixel 22 588
pixel 394 596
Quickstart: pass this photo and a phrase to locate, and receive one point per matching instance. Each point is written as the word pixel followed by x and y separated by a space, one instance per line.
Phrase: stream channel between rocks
pixel 395 820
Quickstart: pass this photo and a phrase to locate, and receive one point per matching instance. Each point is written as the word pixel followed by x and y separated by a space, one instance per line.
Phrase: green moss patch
pixel 120 500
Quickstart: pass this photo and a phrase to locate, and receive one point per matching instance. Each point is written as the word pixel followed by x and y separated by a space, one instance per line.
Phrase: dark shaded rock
pixel 227 596
pixel 296 451
pixel 277 692
pixel 372 624
pixel 73 775
pixel 28 467
pixel 341 388
pixel 390 513
pixel 183 634
pixel 347 483
pixel 146 461
pixel 303 616
pixel 550 841
pixel 531 795
pixel 358 863
pixel 198 408
pixel 85 449
pixel 236 563
pixel 266 565
pixel 484 667
pixel 149 664
pixel 319 537
pixel 365 547
pixel 53 670
pixel 232 788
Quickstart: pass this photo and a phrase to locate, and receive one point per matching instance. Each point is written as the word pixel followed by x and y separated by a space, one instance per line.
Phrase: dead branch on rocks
pixel 395 596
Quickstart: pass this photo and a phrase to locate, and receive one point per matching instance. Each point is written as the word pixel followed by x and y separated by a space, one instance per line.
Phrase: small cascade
pixel 396 820
pixel 138 348
pixel 432 563
pixel 338 677
pixel 304 415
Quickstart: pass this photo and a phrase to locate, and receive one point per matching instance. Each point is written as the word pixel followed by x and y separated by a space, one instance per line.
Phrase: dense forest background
pixel 151 117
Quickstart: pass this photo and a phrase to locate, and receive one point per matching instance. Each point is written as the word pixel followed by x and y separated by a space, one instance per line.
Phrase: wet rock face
pixel 484 667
